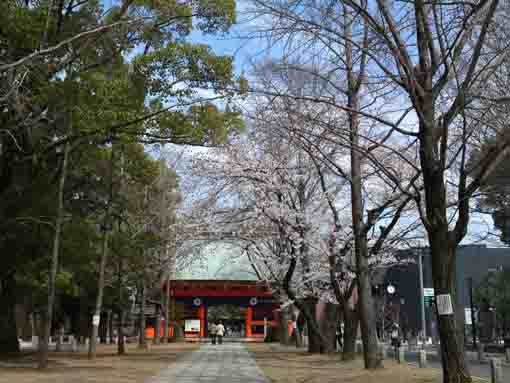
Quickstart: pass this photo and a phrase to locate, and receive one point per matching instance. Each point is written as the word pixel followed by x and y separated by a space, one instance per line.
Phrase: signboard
pixel 192 325
pixel 95 320
pixel 467 316
pixel 149 310
pixel 428 292
pixel 428 300
pixel 444 304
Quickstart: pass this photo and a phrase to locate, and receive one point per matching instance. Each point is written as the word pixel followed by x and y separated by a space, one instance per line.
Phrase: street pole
pixel 472 306
pixel 422 296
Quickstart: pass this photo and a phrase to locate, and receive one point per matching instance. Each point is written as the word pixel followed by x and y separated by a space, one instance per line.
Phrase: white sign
pixel 444 304
pixel 467 316
pixel 197 301
pixel 253 301
pixel 192 325
pixel 95 320
pixel 428 292
pixel 390 289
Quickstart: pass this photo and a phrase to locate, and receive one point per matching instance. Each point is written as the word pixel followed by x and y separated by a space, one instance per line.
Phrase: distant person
pixel 395 341
pixel 220 332
pixel 339 335
pixel 213 331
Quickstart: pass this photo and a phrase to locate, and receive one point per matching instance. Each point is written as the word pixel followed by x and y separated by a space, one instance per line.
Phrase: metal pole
pixel 472 306
pixel 422 296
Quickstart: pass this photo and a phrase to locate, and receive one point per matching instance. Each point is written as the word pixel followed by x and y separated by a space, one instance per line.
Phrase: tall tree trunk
pixel 121 349
pixel 142 341
pixel 314 337
pixel 328 327
pixel 284 327
pixel 99 299
pixel 110 326
pixel 48 317
pixel 102 266
pixel 443 244
pixel 351 323
pixel 366 303
pixel 103 327
pixel 367 312
pixel 157 329
pixel 166 337
pixel 451 334
pixel 8 329
pixel 121 346
pixel 300 328
pixel 83 321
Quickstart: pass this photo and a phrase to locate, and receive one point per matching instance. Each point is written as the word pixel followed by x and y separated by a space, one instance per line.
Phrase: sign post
pixel 422 296
pixel 428 296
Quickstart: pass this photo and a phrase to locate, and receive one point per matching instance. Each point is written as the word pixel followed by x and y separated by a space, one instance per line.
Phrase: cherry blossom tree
pixel 422 74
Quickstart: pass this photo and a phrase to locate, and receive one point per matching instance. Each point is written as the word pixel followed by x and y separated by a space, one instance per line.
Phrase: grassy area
pixel 282 365
pixel 136 366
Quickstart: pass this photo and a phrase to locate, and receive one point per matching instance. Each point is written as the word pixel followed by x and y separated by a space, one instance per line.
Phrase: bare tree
pixel 430 70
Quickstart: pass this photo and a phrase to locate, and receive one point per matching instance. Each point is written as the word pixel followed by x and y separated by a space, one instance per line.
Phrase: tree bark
pixel 351 323
pixel 48 317
pixel 121 346
pixel 328 327
pixel 102 265
pixel 283 326
pixel 452 352
pixel 314 337
pixel 8 329
pixel 157 329
pixel 110 326
pixel 443 244
pixel 300 325
pixel 84 320
pixel 365 303
pixel 103 327
pixel 99 298
pixel 142 341
pixel 166 337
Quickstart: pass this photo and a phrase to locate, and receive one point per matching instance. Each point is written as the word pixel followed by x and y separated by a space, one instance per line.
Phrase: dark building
pixel 473 261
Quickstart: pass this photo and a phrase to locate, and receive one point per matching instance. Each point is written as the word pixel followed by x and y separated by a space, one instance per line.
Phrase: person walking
pixel 213 330
pixel 395 339
pixel 220 331
pixel 339 335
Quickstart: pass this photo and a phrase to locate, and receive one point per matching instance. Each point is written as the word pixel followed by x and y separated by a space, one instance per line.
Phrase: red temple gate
pixel 190 300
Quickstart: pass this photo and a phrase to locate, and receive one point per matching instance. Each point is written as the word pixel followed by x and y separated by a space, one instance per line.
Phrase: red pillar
pixel 249 316
pixel 201 316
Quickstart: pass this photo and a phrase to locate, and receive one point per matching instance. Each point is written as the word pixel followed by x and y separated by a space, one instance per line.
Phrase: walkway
pixel 226 363
pixel 477 369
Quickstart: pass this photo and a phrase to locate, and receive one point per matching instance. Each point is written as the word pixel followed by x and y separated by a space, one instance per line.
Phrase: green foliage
pixel 179 69
pixel 105 93
pixel 495 291
pixel 495 196
pixel 200 124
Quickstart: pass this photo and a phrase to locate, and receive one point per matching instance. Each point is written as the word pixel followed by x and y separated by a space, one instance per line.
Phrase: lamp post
pixel 422 296
pixel 472 309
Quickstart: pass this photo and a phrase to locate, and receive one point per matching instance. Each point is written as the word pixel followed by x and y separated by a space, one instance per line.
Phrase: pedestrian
pixel 220 331
pixel 395 341
pixel 339 335
pixel 213 330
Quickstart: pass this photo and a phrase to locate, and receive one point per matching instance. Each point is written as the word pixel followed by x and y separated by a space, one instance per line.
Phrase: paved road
pixel 226 363
pixel 480 370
